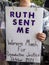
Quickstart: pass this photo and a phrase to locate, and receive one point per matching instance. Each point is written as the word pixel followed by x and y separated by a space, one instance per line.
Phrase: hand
pixel 41 36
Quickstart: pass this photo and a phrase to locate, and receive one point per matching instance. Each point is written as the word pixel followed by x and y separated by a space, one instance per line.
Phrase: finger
pixel 41 38
pixel 41 35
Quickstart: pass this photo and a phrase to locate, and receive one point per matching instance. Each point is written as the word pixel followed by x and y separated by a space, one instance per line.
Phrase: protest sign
pixel 22 25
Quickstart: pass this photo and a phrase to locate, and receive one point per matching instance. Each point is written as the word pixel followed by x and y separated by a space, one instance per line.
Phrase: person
pixel 39 36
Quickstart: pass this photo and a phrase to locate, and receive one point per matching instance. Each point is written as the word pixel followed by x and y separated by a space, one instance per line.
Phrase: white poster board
pixel 22 25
